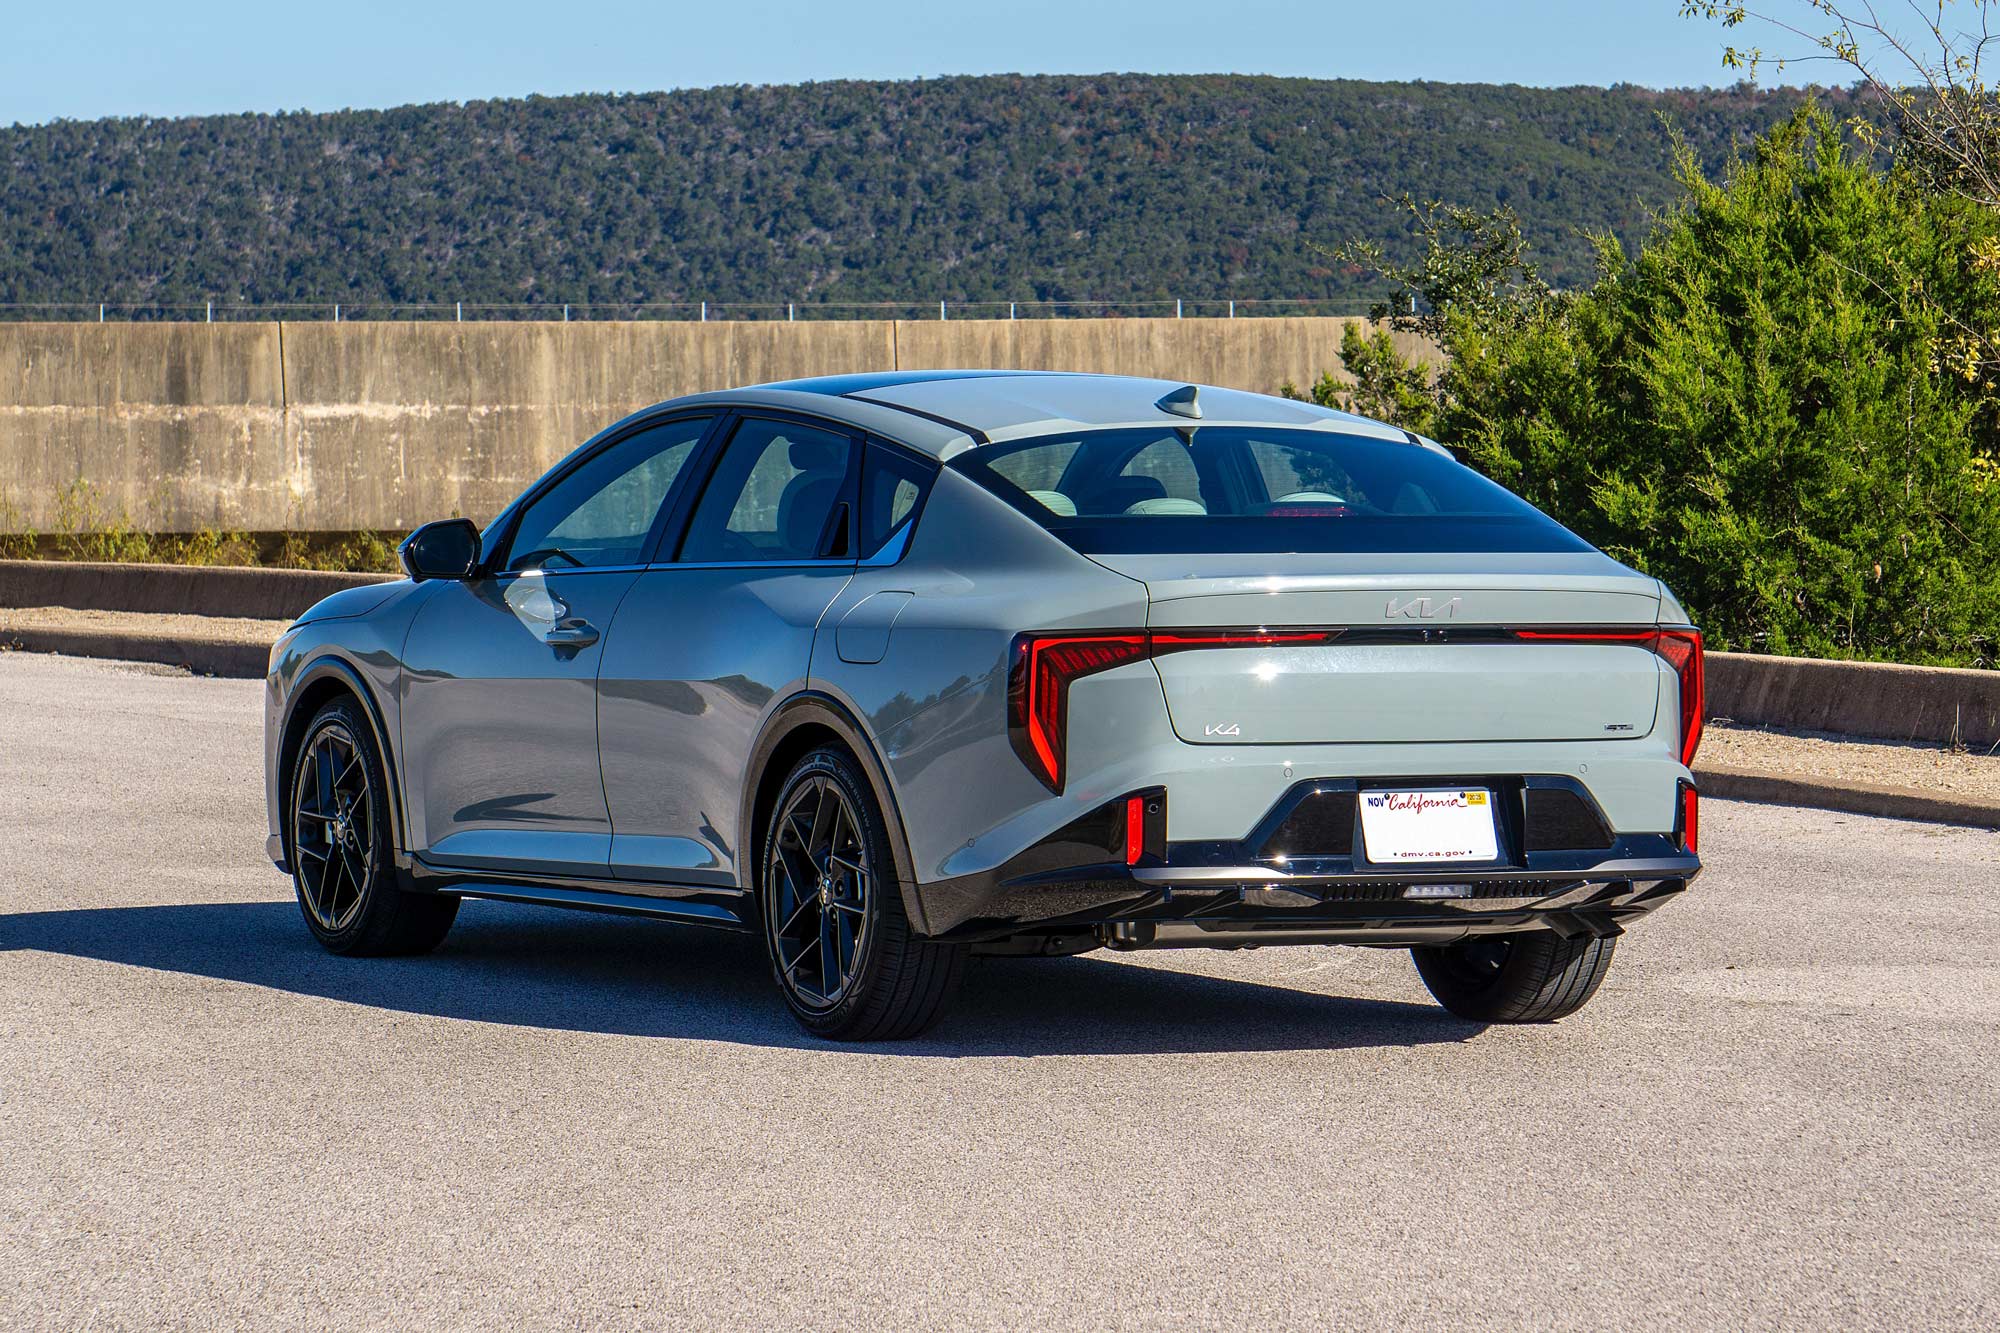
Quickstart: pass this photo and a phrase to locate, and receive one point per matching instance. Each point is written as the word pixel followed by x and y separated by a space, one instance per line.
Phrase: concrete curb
pixel 206 656
pixel 1941 705
pixel 1858 798
pixel 197 590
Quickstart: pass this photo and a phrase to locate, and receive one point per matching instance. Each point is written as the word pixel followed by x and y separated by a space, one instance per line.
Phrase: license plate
pixel 1428 826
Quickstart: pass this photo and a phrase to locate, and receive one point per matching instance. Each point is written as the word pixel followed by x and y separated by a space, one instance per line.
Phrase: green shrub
pixel 1784 405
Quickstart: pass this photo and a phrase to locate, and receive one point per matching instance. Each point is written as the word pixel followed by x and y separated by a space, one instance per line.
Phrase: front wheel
pixel 341 868
pixel 840 944
pixel 1527 977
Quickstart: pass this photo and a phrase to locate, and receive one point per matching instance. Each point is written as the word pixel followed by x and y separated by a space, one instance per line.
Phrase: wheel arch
pixel 801 724
pixel 324 680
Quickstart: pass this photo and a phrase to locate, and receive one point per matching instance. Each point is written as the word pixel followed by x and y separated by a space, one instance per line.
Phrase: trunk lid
pixel 1424 658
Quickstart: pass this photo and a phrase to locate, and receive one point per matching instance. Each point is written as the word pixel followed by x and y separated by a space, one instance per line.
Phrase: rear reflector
pixel 1690 819
pixel 1135 829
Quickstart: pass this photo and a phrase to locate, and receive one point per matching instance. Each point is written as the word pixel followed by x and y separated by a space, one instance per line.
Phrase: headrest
pixel 815 455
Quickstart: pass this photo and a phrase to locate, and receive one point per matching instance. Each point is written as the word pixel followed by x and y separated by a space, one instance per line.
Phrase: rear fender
pixel 815 709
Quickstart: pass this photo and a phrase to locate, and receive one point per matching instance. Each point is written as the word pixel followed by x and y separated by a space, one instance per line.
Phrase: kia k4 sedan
pixel 893 669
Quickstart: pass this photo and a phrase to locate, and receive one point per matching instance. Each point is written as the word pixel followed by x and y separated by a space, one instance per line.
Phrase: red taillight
pixel 1038 690
pixel 1175 641
pixel 1679 648
pixel 1045 665
pixel 1690 819
pixel 1682 649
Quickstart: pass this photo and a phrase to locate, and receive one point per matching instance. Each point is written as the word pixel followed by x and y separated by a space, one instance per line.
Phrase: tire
pixel 840 944
pixel 1528 977
pixel 343 871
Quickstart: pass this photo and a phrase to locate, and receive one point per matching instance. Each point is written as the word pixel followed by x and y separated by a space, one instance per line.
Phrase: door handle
pixel 572 634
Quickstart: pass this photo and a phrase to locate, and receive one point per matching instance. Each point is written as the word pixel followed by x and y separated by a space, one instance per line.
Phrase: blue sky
pixel 90 58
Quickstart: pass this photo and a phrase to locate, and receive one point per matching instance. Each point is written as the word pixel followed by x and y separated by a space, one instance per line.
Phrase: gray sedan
pixel 896 668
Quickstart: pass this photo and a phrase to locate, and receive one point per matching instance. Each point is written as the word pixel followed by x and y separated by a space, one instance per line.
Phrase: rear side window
pixel 893 486
pixel 772 497
pixel 1235 488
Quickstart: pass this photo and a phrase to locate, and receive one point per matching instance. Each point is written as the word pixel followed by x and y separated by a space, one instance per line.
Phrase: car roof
pixel 945 412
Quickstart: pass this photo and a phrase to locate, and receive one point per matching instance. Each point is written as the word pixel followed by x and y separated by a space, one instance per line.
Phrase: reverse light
pixel 1042 667
pixel 1679 647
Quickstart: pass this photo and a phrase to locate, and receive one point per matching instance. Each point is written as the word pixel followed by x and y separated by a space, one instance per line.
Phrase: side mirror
pixel 446 549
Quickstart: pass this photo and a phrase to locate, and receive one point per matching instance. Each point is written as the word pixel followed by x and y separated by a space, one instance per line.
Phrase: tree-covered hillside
pixel 1116 187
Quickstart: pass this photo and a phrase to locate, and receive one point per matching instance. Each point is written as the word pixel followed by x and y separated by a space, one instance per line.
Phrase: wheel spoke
pixel 845 934
pixel 323 775
pixel 822 834
pixel 329 888
pixel 804 903
pixel 829 957
pixel 347 863
pixel 802 876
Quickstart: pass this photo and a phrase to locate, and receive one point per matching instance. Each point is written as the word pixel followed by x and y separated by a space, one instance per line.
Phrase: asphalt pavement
pixel 1781 1110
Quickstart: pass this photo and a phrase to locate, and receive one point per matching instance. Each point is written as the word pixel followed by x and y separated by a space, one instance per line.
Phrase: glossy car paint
pixel 697 662
pixel 500 725
pixel 632 762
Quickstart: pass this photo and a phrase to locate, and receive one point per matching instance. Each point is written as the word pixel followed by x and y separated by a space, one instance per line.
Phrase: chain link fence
pixel 703 311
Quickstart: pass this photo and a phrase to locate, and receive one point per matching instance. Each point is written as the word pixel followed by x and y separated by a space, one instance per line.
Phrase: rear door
pixel 500 714
pixel 710 637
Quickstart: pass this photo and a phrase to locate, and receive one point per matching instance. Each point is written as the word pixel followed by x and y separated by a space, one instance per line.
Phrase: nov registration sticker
pixel 1429 826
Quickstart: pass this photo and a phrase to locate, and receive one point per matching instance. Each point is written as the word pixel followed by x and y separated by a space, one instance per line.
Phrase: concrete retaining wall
pixel 1899 703
pixel 339 427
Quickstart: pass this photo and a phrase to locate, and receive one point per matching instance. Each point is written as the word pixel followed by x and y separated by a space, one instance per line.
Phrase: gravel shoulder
pixel 141 625
pixel 1850 760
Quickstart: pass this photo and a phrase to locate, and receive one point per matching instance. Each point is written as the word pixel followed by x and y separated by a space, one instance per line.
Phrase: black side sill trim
pixel 688 910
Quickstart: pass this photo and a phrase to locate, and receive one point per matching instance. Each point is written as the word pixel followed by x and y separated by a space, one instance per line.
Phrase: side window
pixel 1161 479
pixel 772 494
pixel 1294 475
pixel 603 512
pixel 892 485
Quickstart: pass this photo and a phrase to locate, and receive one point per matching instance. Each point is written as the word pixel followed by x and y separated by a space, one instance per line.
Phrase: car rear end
pixel 1374 699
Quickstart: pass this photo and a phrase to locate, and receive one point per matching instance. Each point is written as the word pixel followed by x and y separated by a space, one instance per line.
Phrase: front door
pixel 500 696
pixel 705 645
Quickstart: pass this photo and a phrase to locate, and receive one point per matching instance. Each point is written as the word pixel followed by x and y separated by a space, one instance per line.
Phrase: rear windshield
pixel 1234 488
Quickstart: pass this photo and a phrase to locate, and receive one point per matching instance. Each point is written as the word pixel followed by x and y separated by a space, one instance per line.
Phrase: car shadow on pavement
pixel 538 967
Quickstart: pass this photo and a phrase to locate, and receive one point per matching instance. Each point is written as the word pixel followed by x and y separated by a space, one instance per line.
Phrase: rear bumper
pixel 1230 906
pixel 1303 875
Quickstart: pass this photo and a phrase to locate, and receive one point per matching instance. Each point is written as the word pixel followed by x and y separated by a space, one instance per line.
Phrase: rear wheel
pixel 1527 977
pixel 840 944
pixel 341 868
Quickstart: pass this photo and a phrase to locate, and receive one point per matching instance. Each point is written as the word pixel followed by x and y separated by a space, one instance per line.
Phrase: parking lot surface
pixel 1782 1110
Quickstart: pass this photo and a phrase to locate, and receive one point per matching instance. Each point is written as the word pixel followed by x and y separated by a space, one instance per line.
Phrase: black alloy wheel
pixel 839 941
pixel 340 845
pixel 333 827
pixel 821 886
